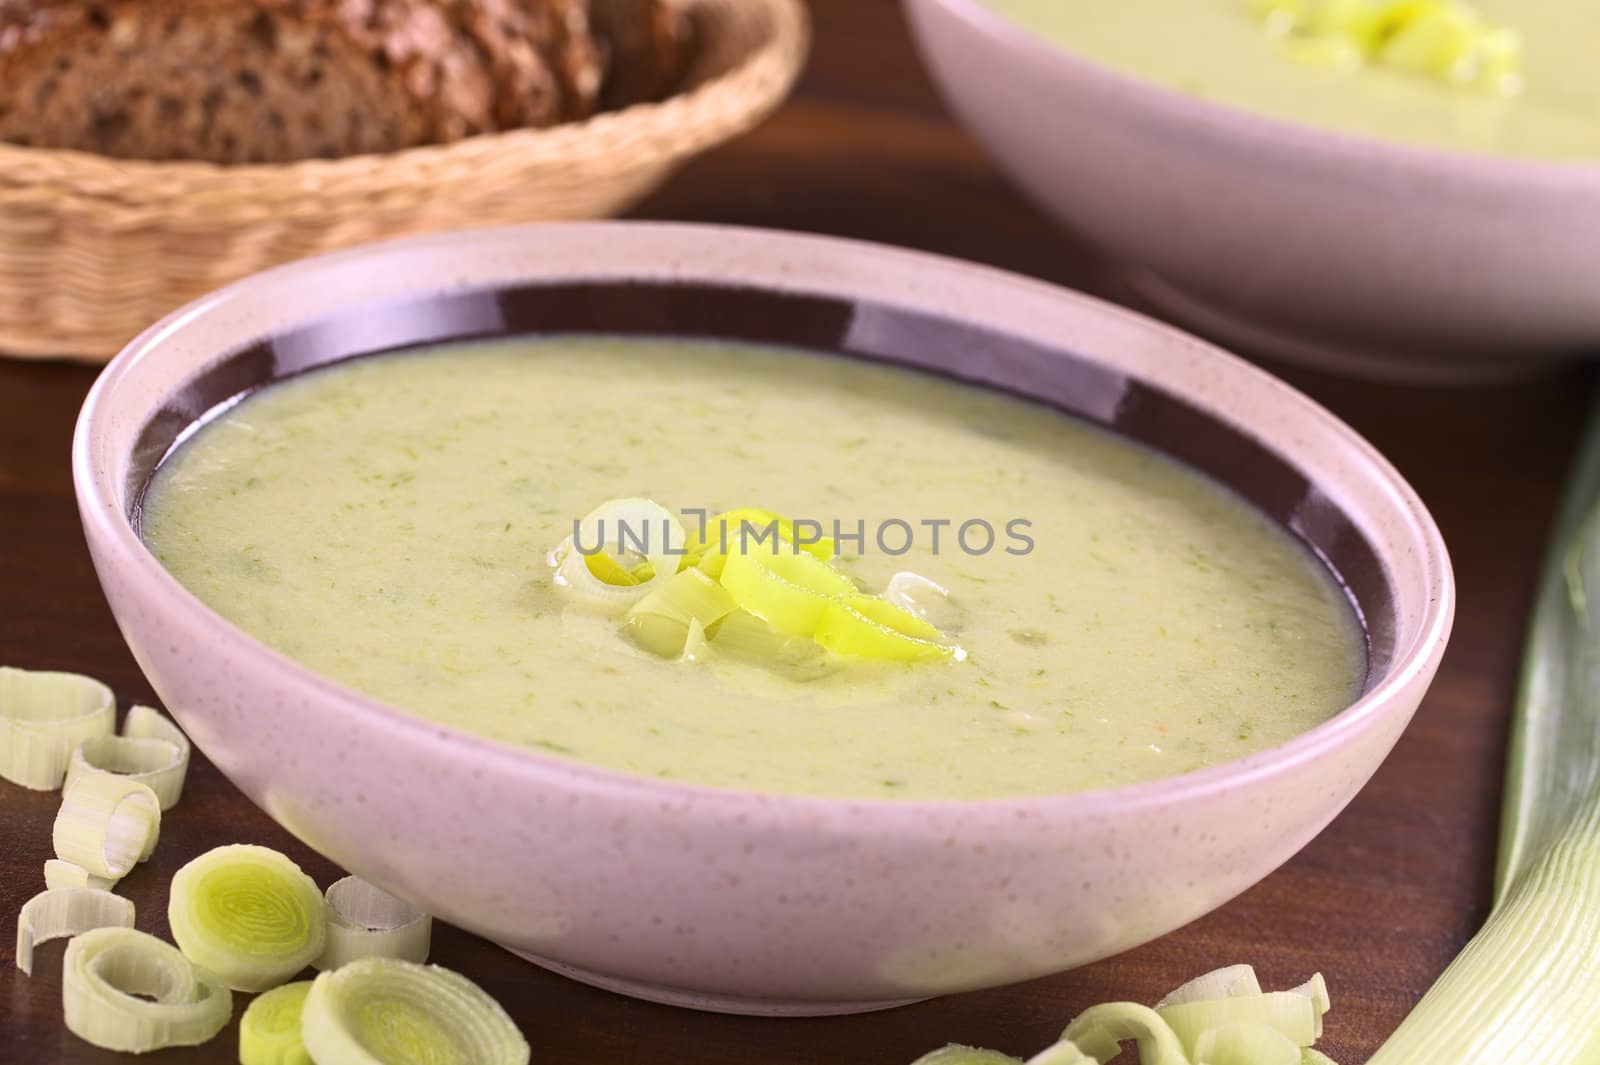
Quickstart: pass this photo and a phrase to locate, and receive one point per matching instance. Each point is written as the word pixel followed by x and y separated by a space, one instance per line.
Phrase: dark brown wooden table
pixel 1380 902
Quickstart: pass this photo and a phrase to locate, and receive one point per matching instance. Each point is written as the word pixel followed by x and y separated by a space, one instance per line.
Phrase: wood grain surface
pixel 1379 902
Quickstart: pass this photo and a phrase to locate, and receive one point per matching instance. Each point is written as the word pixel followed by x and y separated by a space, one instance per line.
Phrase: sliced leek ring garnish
pixel 914 593
pixel 864 626
pixel 377 1011
pixel 745 565
pixel 787 588
pixel 106 824
pixel 247 914
pixel 43 718
pixel 269 1031
pixel 660 622
pixel 747 529
pixel 1447 41
pixel 64 874
pixel 365 921
pixel 105 972
pixel 58 912
pixel 588 567
pixel 160 765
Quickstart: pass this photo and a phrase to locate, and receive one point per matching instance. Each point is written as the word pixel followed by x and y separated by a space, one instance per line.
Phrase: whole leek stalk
pixel 1527 987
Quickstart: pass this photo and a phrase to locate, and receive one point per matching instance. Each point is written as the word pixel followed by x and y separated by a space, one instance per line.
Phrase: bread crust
pixel 275 80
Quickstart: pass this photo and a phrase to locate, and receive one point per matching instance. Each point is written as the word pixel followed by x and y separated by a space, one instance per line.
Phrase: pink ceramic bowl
pixel 732 900
pixel 1345 252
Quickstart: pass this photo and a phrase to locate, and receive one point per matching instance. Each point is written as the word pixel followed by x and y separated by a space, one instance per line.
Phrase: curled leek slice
pixel 629 526
pixel 58 912
pixel 1245 1044
pixel 660 622
pixel 366 921
pixel 864 626
pixel 152 750
pixel 787 588
pixel 1289 1013
pixel 1100 1031
pixel 104 975
pixel 382 1010
pixel 43 717
pixel 914 593
pixel 158 764
pixel 1065 1052
pixel 1228 982
pixel 956 1054
pixel 743 635
pixel 747 529
pixel 106 824
pixel 1451 43
pixel 60 874
pixel 247 914
pixel 269 1031
pixel 1315 989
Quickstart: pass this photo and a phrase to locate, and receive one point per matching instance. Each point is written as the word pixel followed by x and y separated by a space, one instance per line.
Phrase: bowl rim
pixel 1271 133
pixel 108 523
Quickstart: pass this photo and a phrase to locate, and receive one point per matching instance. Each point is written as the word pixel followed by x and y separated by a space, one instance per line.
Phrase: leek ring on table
pixel 152 750
pixel 247 914
pixel 106 824
pixel 375 1011
pixel 43 718
pixel 269 1031
pixel 160 765
pixel 1288 1012
pixel 104 975
pixel 366 921
pixel 57 912
pixel 957 1054
pixel 1100 1030
pixel 64 874
pixel 1063 1053
pixel 1230 981
pixel 1246 1044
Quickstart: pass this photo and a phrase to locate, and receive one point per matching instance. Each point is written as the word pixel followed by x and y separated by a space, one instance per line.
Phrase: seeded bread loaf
pixel 239 81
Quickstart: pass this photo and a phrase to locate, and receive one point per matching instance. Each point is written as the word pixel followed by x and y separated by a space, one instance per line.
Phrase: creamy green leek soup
pixel 1506 77
pixel 1083 613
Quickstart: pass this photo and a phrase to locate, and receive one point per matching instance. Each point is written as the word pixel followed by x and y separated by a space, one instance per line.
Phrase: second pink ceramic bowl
pixel 738 900
pixel 1345 252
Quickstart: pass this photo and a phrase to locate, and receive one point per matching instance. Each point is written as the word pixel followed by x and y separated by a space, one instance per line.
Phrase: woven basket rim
pixel 759 79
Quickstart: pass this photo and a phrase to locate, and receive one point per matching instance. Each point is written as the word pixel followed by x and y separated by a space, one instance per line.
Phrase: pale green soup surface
pixel 387 523
pixel 1218 50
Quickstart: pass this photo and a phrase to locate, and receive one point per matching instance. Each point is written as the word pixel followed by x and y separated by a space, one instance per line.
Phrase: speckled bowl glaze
pixel 1348 253
pixel 741 901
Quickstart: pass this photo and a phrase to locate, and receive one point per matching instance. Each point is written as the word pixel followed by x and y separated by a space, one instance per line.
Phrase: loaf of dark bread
pixel 266 81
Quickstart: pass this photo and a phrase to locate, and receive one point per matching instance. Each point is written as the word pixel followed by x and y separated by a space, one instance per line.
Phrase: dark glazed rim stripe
pixel 1057 377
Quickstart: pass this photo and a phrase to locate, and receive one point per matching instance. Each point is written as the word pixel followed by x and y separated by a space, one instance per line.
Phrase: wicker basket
pixel 93 249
